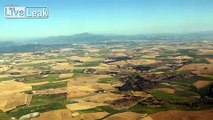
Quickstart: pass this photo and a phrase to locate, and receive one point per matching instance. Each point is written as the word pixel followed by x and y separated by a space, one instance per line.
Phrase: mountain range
pixel 60 41
pixel 88 37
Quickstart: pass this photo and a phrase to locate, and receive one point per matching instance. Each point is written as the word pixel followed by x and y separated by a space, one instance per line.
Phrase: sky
pixel 67 17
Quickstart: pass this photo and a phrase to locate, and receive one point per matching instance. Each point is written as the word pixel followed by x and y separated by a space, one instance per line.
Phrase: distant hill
pixel 88 37
pixel 77 38
pixel 6 43
pixel 67 41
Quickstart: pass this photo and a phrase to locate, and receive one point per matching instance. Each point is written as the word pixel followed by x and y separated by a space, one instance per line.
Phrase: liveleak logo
pixel 16 12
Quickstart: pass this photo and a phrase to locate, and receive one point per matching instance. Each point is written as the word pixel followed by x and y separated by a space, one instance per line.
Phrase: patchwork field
pixel 182 115
pixel 11 96
pixel 113 80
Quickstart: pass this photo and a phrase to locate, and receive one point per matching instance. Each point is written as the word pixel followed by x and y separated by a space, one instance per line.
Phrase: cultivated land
pixel 113 80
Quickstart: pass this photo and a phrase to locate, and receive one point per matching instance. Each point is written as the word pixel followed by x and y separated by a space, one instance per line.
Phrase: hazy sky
pixel 109 17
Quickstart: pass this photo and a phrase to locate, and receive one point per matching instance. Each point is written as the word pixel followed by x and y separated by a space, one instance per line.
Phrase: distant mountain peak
pixel 84 34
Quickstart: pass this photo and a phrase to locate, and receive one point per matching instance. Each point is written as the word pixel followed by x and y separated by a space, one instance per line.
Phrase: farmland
pixel 109 80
